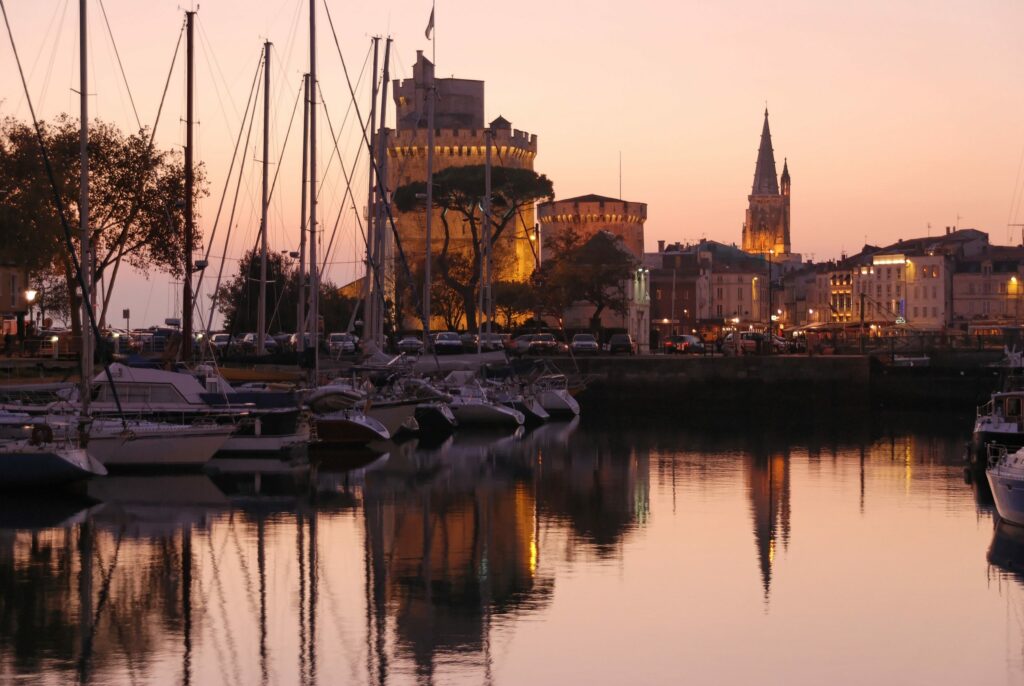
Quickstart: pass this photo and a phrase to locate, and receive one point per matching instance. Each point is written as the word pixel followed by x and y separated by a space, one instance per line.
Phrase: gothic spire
pixel 765 180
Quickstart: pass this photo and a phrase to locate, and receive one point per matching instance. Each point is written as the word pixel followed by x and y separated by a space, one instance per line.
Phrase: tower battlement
pixel 463 143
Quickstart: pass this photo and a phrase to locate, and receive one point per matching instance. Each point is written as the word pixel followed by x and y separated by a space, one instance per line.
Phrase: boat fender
pixel 41 433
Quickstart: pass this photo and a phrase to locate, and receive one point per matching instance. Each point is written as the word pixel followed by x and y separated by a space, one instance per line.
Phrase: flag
pixel 430 24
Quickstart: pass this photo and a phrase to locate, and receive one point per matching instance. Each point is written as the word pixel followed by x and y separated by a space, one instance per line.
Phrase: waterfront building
pixel 460 139
pixel 14 301
pixel 588 214
pixel 766 228
pixel 987 289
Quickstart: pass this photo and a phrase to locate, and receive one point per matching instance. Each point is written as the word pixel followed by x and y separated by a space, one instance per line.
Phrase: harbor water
pixel 709 549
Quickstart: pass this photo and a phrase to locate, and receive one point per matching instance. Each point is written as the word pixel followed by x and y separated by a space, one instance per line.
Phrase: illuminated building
pixel 766 227
pixel 588 214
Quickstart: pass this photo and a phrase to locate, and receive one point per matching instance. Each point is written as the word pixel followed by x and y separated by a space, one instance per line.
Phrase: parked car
pixel 411 345
pixel 307 341
pixel 220 341
pixel 584 344
pixel 342 344
pixel 534 344
pixel 250 340
pixel 749 342
pixel 683 343
pixel 468 342
pixel 621 343
pixel 491 341
pixel 447 343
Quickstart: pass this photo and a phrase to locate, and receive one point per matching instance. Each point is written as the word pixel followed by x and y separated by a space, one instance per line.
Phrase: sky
pixel 898 118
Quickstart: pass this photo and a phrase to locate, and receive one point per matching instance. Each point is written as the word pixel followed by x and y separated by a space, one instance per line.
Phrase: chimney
pixel 661 246
pixel 947 230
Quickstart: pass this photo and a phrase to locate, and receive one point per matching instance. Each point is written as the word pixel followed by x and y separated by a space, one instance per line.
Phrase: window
pixel 718 310
pixel 878 291
pixel 935 292
pixel 719 296
pixel 657 294
pixel 739 293
pixel 1002 287
pixel 915 311
pixel 898 272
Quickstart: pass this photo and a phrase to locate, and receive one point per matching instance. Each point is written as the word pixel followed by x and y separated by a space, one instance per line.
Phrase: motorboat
pixel 40 463
pixel 999 421
pixel 139 444
pixel 261 421
pixel 349 427
pixel 552 390
pixel 472 407
pixel 395 412
pixel 1005 475
pixel 435 419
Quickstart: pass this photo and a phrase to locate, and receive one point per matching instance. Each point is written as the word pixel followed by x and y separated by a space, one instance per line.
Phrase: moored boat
pixel 1005 475
pixel 349 427
pixel 37 463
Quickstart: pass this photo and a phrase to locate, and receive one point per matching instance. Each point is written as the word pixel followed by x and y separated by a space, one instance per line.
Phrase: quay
pixel 955 381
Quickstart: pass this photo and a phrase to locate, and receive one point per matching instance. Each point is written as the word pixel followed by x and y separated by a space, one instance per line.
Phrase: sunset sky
pixel 894 115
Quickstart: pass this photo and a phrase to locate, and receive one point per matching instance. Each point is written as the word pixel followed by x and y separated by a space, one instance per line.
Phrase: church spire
pixel 765 181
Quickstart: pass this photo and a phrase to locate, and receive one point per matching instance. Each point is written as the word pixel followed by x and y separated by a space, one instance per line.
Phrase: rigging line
pixel 1016 195
pixel 210 52
pixel 519 214
pixel 287 133
pixel 348 179
pixel 376 168
pixel 231 219
pixel 123 237
pixel 120 66
pixel 344 120
pixel 227 180
pixel 59 203
pixel 53 55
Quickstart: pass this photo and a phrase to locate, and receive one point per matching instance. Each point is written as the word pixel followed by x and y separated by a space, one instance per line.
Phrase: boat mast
pixel 261 316
pixel 372 224
pixel 186 300
pixel 489 297
pixel 428 251
pixel 83 208
pixel 380 235
pixel 300 320
pixel 314 276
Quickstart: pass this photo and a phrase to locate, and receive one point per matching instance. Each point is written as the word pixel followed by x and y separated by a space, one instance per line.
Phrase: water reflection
pixel 434 564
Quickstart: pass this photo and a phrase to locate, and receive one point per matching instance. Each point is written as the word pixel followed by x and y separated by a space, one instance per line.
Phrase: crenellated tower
pixel 766 229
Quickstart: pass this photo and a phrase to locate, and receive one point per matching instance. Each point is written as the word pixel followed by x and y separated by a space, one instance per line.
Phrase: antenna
pixel 620 175
pixel 1009 233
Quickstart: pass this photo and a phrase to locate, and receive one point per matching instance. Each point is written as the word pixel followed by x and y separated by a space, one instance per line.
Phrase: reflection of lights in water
pixel 771 550
pixel 533 557
pixel 908 469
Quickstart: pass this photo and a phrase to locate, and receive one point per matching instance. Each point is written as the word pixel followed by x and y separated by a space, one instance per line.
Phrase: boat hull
pixel 26 466
pixel 1008 493
pixel 558 403
pixel 152 446
pixel 346 428
pixel 480 414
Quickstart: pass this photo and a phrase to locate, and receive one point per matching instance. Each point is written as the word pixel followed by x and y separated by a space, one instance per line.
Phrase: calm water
pixel 595 553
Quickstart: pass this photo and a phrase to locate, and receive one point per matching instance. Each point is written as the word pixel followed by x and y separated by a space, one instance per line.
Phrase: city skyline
pixel 889 133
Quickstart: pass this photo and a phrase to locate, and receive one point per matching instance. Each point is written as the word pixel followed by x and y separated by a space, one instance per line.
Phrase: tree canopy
pixel 594 271
pixel 238 299
pixel 460 192
pixel 136 202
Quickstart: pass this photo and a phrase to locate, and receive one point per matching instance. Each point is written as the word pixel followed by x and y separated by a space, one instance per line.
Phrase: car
pixel 683 343
pixel 491 341
pixel 584 344
pixel 220 341
pixel 411 345
pixel 621 343
pixel 534 344
pixel 249 341
pixel 447 343
pixel 307 341
pixel 468 342
pixel 749 342
pixel 342 344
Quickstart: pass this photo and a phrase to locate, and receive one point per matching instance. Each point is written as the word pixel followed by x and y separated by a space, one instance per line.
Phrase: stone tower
pixel 766 228
pixel 459 140
pixel 589 214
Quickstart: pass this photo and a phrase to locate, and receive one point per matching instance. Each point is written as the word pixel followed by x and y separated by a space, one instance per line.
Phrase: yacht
pixel 1005 475
pixel 552 390
pixel 1000 421
pixel 261 421
pixel 349 427
pixel 472 407
pixel 40 463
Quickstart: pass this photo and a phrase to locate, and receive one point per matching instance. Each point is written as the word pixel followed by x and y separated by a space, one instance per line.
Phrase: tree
pixel 238 299
pixel 136 203
pixel 512 300
pixel 595 272
pixel 459 193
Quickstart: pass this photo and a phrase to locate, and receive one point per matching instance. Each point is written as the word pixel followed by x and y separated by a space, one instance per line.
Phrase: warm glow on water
pixel 629 555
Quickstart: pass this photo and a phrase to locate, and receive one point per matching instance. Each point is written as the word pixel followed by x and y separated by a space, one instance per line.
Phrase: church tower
pixel 766 229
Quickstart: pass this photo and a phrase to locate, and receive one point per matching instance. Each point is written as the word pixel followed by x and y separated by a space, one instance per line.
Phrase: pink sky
pixel 893 115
